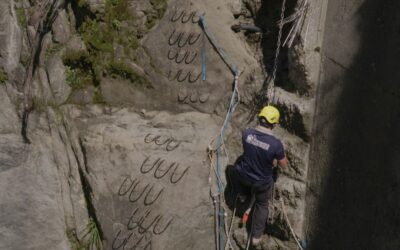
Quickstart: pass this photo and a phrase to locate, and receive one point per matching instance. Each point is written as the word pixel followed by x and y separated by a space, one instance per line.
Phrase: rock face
pixel 127 97
pixel 149 180
pixel 352 204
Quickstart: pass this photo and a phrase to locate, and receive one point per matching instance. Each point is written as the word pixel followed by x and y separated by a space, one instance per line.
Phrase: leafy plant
pixel 123 70
pixel 74 241
pixel 20 12
pixel 76 59
pixel 116 24
pixel 116 28
pixel 160 6
pixel 96 36
pixel 25 59
pixel 98 96
pixel 3 76
pixel 92 236
pixel 71 77
pixel 82 3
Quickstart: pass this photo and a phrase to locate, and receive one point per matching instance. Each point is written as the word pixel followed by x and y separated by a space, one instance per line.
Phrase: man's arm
pixel 282 163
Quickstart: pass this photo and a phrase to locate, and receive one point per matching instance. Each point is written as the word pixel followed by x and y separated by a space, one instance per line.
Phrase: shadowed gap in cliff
pixel 359 207
pixel 267 17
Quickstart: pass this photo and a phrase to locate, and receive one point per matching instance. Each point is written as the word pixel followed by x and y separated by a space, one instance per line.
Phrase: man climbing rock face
pixel 253 170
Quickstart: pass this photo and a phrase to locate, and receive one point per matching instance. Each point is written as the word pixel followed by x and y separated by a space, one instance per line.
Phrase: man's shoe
pixel 255 241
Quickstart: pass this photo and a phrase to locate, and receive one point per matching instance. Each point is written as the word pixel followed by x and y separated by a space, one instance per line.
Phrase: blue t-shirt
pixel 260 149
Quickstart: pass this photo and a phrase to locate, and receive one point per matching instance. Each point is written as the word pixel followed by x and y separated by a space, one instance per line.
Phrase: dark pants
pixel 261 194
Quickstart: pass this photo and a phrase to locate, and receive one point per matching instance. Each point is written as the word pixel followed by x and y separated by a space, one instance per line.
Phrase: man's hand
pixel 275 173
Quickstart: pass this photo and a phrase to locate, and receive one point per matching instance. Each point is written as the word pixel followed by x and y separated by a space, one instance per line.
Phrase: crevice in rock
pixel 292 121
pixel 24 127
pixel 83 150
pixel 80 11
pixel 41 19
pixel 87 192
pixel 86 187
pixel 266 17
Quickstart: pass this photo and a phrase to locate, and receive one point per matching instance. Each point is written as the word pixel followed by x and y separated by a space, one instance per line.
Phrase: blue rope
pixel 203 57
pixel 228 118
pixel 215 44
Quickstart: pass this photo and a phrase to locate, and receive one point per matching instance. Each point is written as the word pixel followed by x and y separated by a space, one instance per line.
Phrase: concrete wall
pixel 354 176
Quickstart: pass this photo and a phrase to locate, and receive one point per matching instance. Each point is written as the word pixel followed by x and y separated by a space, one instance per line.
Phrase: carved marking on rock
pixel 174 178
pixel 170 142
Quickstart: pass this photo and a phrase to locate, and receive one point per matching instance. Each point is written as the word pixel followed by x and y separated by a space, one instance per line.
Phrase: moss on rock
pixel 123 70
pixel 105 35
pixel 3 76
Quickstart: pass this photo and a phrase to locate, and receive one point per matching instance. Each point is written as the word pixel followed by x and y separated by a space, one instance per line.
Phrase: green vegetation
pixel 79 71
pixel 20 12
pixel 3 76
pixel 160 6
pixel 77 78
pixel 25 59
pixel 98 96
pixel 39 105
pixel 98 38
pixel 76 58
pixel 74 241
pixel 92 236
pixel 82 3
pixel 103 34
pixel 123 70
pixel 52 49
pixel 71 77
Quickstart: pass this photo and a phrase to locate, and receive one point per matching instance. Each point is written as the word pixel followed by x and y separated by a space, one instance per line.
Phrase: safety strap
pixel 218 48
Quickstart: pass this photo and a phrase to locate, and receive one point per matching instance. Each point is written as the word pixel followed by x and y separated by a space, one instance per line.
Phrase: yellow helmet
pixel 270 113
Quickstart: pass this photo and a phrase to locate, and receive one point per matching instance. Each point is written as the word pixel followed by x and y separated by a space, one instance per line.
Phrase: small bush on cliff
pixel 97 36
pixel 123 70
pixel 76 59
pixel 92 236
pixel 71 77
pixel 160 6
pixel 74 241
pixel 3 76
pixel 20 12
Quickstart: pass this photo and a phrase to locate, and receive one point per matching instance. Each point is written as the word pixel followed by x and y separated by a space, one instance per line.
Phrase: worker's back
pixel 260 149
